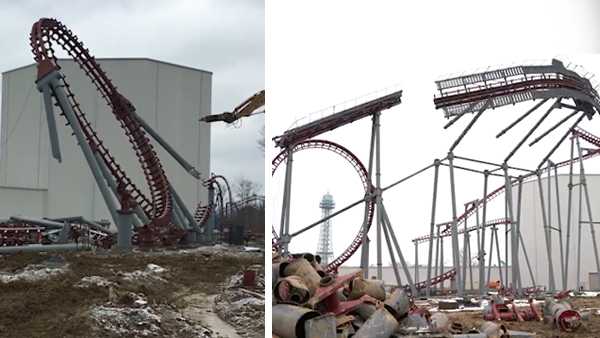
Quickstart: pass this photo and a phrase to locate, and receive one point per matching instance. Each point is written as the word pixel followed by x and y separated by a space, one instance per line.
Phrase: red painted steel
pixel 158 207
pixel 364 177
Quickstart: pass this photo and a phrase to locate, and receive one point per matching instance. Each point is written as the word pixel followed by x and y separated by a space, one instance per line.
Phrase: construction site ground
pixel 163 293
pixel 590 328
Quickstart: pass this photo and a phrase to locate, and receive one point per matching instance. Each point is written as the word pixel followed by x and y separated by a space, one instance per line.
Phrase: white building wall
pixel 533 234
pixel 170 98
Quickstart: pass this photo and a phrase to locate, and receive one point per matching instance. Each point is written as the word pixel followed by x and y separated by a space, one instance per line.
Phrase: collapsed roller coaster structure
pixel 459 96
pixel 161 217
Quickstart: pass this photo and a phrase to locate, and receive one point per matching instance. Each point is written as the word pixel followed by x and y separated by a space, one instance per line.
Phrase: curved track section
pixel 364 177
pixel 450 274
pixel 158 207
pixel 469 93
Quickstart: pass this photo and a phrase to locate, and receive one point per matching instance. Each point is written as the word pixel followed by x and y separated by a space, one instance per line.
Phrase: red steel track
pixel 447 233
pixel 158 207
pixel 364 177
pixel 450 274
pixel 526 84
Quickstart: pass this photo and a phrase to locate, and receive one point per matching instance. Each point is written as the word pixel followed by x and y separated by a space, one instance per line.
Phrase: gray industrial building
pixel 170 98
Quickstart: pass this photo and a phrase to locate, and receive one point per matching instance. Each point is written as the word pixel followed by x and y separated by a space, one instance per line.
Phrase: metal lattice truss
pixel 469 93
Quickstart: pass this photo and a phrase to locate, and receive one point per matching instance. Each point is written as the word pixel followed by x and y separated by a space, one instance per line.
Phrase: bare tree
pixel 244 188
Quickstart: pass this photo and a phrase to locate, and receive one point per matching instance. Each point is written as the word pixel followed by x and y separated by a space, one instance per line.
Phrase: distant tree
pixel 252 214
pixel 244 188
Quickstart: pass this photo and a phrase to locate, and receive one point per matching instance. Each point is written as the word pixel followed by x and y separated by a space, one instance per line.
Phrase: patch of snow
pixel 32 273
pixel 151 272
pixel 88 281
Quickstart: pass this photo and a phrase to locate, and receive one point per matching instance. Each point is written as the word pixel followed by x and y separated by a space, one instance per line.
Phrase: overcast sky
pixel 224 37
pixel 349 50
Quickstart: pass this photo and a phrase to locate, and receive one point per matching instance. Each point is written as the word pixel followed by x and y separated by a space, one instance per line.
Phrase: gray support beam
pixel 391 253
pixel 502 280
pixel 560 141
pixel 469 126
pixel 416 260
pixel 583 182
pixel 455 247
pixel 531 275
pixel 465 255
pixel 563 272
pixel 544 134
pixel 52 133
pixel 482 281
pixel 112 184
pixel 532 130
pixel 285 212
pixel 166 146
pixel 441 259
pixel 503 131
pixel 386 222
pixel 517 229
pixel 185 211
pixel 364 262
pixel 378 191
pixel 547 235
pixel 437 258
pixel 513 232
pixel 569 211
pixel 53 80
pixel 432 226
pixel 549 199
pixel 579 187
pixel 489 270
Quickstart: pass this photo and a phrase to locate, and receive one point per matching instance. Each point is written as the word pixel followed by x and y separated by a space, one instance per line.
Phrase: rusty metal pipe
pixel 380 325
pixel 301 267
pixel 291 290
pixel 359 287
pixel 289 320
pixel 397 304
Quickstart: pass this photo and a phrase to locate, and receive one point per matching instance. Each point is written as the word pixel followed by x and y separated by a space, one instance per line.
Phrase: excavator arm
pixel 249 107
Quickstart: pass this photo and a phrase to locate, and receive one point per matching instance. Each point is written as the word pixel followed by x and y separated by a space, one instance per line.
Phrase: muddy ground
pixel 589 328
pixel 143 294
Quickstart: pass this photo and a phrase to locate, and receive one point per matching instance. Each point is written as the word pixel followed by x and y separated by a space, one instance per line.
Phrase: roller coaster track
pixel 450 274
pixel 202 213
pixel 336 120
pixel 447 233
pixel 19 234
pixel 364 177
pixel 513 85
pixel 158 207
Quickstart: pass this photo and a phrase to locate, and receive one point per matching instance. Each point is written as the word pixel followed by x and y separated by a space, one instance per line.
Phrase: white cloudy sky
pixel 319 54
pixel 224 37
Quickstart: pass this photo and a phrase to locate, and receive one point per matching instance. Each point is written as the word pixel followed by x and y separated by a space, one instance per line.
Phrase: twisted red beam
pixel 364 177
pixel 158 208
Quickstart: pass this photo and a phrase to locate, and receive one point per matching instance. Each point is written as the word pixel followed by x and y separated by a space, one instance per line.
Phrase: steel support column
pixel 431 226
pixel 455 247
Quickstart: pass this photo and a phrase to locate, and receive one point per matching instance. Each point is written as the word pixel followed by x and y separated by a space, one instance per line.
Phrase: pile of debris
pixel 311 303
pixel 242 302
